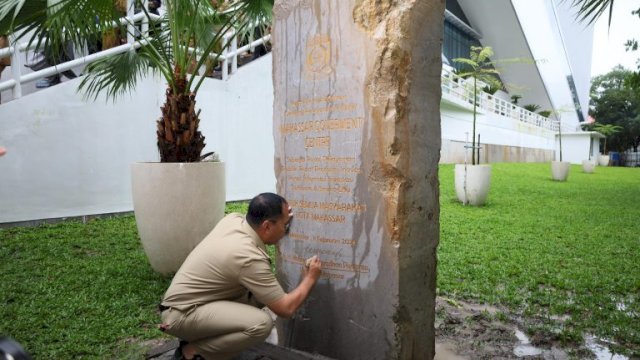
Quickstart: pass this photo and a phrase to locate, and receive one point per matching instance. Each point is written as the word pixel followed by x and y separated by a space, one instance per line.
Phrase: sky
pixel 608 44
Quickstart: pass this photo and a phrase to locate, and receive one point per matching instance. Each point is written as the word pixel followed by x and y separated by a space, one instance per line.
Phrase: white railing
pixel 452 84
pixel 228 58
pixel 462 89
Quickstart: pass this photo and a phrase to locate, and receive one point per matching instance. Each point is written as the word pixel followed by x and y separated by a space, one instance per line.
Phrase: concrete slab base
pixel 264 351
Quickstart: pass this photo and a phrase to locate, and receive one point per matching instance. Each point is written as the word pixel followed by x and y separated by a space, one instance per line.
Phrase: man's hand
pixel 287 305
pixel 313 268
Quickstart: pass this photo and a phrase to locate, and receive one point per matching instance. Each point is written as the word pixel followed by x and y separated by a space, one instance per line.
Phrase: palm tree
pixel 479 67
pixel 181 40
pixel 606 130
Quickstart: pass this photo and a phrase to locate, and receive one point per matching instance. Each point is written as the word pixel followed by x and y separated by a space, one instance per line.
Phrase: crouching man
pixel 214 300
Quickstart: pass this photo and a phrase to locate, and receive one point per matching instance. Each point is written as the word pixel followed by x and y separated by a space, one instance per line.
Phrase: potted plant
pixel 180 199
pixel 589 165
pixel 472 181
pixel 545 113
pixel 560 169
pixel 606 130
pixel 532 107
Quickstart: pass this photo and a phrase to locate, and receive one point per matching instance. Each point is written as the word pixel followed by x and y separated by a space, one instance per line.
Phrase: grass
pixel 549 250
pixel 80 290
pixel 540 248
pixel 77 290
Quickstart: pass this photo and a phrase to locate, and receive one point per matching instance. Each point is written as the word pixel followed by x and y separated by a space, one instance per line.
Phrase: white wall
pixel 576 146
pixel 67 157
pixel 457 126
pixel 238 124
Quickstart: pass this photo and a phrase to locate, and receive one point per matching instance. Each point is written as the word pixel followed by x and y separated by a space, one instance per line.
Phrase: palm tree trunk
pixel 179 139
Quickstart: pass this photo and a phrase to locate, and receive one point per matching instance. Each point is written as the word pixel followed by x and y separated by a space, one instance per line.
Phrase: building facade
pixel 550 74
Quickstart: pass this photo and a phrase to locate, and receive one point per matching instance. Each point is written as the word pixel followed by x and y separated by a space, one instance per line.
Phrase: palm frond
pixel 591 10
pixel 115 75
pixel 79 22
pixel 484 54
pixel 472 63
pixel 14 13
pixel 493 82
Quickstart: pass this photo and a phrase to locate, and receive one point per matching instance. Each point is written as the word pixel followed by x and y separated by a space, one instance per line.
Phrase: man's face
pixel 279 228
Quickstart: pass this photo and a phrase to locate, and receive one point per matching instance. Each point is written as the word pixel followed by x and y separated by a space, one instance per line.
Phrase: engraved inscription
pixel 322 167
pixel 322 141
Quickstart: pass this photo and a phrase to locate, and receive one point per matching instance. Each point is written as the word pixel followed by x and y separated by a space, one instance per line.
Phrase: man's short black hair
pixel 266 206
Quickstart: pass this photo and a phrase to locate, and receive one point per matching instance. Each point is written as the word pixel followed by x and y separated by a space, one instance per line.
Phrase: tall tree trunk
pixel 179 139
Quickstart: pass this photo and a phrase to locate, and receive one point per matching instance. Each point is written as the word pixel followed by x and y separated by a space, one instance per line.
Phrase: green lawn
pixel 547 249
pixel 539 247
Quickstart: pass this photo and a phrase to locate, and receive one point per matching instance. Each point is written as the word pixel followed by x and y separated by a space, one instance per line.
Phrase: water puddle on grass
pixel 525 348
pixel 621 306
pixel 601 352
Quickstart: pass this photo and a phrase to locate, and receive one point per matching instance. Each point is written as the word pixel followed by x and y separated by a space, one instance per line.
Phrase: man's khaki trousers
pixel 219 330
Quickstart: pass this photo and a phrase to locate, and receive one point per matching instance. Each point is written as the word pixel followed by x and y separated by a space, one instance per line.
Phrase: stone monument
pixel 357 144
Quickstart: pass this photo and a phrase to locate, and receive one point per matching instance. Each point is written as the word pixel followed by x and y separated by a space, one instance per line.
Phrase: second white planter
pixel 588 166
pixel 560 170
pixel 472 183
pixel 603 160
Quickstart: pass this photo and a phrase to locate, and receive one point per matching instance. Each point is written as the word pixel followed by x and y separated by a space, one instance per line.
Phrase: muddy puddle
pixel 466 331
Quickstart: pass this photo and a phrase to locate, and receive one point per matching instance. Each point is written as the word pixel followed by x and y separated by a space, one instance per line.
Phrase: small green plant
pixel 532 107
pixel 479 67
pixel 515 99
pixel 606 130
pixel 491 89
pixel 545 113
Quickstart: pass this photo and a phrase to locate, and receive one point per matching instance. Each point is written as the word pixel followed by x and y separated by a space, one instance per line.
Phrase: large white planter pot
pixel 176 205
pixel 472 183
pixel 560 170
pixel 603 160
pixel 588 166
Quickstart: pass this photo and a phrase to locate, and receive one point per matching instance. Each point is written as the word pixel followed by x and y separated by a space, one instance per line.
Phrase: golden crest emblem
pixel 318 57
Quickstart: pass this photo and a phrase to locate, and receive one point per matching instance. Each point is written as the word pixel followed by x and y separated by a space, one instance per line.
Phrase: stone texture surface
pixel 357 137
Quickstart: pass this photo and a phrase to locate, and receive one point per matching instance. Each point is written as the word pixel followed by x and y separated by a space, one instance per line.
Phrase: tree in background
pixel 615 102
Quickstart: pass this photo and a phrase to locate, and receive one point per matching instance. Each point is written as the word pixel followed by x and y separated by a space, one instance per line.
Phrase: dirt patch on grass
pixel 471 331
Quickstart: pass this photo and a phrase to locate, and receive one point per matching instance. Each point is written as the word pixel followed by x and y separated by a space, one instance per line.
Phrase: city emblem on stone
pixel 318 57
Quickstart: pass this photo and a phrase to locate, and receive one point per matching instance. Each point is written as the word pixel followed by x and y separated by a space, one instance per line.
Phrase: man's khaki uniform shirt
pixel 228 263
